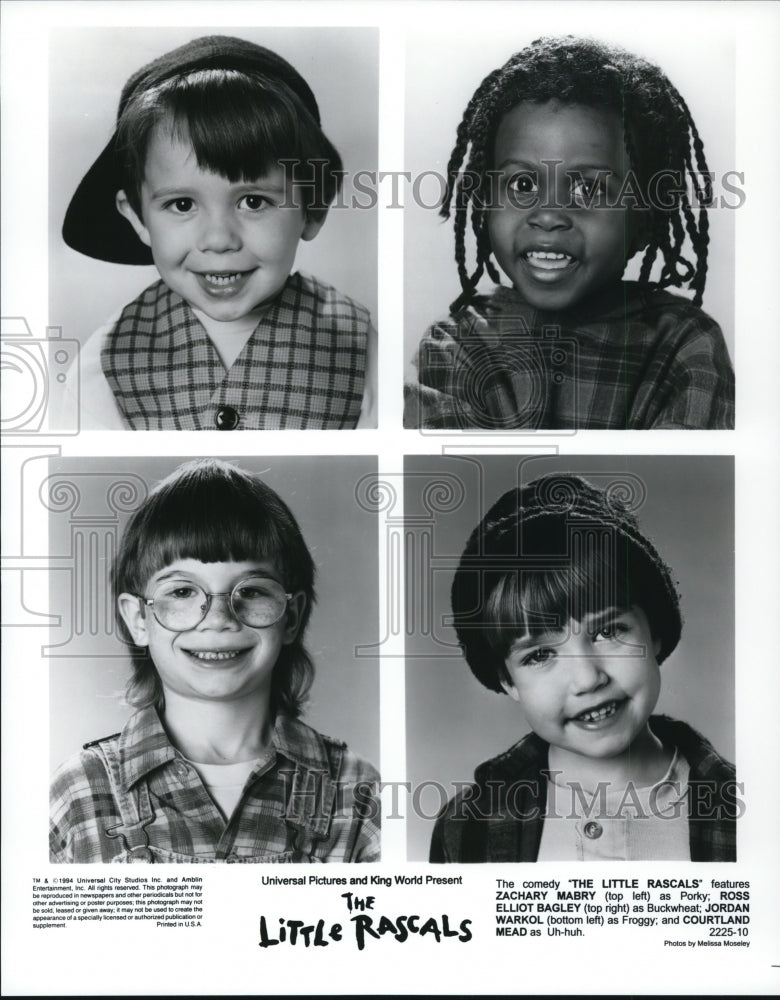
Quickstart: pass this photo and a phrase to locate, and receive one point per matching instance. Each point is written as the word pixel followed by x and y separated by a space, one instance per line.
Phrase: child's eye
pixel 586 192
pixel 181 206
pixel 176 592
pixel 523 186
pixel 537 657
pixel 254 202
pixel 253 592
pixel 612 630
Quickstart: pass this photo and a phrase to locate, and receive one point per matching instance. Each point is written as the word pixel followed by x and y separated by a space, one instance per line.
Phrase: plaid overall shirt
pixel 132 797
pixel 303 367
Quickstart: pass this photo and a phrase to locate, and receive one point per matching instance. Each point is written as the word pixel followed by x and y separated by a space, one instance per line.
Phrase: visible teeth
pixel 222 279
pixel 229 654
pixel 597 714
pixel 548 260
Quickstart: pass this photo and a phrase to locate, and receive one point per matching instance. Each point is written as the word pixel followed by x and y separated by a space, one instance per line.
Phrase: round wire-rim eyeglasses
pixel 271 605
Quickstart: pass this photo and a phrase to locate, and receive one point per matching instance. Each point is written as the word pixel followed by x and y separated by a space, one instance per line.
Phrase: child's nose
pixel 550 212
pixel 219 613
pixel 587 672
pixel 219 232
pixel 549 216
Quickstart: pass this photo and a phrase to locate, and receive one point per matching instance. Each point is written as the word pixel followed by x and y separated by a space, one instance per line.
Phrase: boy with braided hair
pixel 561 602
pixel 570 159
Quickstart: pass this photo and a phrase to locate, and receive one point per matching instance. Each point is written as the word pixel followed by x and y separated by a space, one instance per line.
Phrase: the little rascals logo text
pixel 366 924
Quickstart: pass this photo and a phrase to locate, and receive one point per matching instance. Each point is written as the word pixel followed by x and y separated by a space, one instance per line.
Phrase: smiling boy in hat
pixel 217 169
pixel 562 602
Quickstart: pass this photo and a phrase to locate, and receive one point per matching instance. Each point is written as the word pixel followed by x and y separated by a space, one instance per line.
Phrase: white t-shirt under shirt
pixel 624 824
pixel 225 782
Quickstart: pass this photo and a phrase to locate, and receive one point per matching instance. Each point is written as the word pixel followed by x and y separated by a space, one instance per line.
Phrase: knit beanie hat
pixel 531 528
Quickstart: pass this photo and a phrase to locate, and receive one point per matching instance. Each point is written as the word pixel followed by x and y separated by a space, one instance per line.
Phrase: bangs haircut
pixel 215 512
pixel 523 578
pixel 240 125
pixel 533 602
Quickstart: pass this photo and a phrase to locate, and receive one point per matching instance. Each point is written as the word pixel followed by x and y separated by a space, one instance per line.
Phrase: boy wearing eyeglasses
pixel 214 584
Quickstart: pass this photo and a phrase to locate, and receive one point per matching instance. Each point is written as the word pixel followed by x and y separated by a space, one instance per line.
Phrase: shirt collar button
pixel 593 830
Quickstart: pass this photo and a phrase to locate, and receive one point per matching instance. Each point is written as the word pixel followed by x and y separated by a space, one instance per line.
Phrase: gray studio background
pixel 87 70
pixel 92 500
pixel 444 70
pixel 453 722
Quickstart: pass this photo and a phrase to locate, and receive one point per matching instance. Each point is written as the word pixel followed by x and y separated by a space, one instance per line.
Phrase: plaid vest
pixel 303 367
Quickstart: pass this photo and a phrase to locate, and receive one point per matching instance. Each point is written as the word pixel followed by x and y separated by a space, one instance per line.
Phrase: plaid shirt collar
pixel 624 305
pixel 144 746
pixel 616 301
pixel 628 358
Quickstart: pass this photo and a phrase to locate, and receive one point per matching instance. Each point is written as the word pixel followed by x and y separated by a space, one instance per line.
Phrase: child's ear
pixel 313 224
pixel 295 608
pixel 132 611
pixel 510 689
pixel 124 208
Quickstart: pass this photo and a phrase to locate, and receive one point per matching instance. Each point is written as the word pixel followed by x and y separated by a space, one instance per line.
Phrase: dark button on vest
pixel 226 418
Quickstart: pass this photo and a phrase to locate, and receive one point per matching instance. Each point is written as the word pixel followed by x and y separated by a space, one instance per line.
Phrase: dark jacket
pixel 500 817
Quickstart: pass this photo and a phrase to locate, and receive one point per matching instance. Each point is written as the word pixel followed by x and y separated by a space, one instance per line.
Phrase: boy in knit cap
pixel 563 604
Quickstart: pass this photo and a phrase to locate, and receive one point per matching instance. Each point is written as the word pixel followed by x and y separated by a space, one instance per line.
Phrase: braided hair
pixel 659 135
